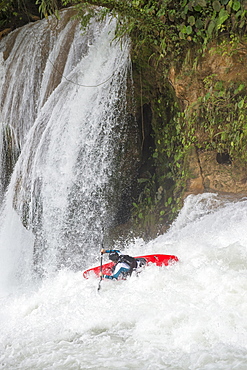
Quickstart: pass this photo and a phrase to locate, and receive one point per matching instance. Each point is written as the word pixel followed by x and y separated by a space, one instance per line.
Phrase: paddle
pixel 101 259
pixel 101 277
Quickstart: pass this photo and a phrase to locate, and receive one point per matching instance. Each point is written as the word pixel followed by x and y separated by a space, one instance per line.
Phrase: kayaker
pixel 124 264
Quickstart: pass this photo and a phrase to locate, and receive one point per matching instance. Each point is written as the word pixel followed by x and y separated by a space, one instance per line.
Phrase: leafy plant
pixel 48 7
pixel 219 122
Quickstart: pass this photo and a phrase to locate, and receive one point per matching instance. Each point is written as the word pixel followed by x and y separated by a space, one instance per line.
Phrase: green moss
pixel 219 120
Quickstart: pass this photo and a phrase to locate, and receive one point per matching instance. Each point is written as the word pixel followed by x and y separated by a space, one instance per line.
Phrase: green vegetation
pixel 168 27
pixel 16 13
pixel 50 7
pixel 223 112
pixel 8 10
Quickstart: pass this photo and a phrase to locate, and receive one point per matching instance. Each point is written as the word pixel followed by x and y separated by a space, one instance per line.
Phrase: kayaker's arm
pixel 109 251
pixel 106 276
pixel 120 271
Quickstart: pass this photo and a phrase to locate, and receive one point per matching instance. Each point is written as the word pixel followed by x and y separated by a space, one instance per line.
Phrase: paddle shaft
pixel 101 257
pixel 101 277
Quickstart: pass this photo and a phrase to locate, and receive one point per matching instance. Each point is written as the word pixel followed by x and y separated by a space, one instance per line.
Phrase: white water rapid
pixel 191 315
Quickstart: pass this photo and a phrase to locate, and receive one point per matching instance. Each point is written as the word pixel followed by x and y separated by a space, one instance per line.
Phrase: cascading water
pixel 191 315
pixel 65 183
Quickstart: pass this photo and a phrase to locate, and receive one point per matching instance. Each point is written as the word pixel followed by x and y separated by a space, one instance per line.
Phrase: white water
pixel 63 180
pixel 191 315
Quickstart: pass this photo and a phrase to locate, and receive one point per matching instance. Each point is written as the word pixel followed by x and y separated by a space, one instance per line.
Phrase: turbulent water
pixel 190 315
pixel 71 132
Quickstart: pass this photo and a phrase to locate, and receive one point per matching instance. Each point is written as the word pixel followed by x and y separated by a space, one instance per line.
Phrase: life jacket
pixel 129 260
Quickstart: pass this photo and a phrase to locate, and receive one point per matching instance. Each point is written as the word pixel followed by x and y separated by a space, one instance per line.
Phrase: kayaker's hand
pixel 102 251
pixel 101 274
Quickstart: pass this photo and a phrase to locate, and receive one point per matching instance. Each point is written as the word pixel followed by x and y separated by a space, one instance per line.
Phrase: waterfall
pixel 64 104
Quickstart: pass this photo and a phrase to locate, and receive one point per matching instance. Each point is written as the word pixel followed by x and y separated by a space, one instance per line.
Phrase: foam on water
pixel 191 315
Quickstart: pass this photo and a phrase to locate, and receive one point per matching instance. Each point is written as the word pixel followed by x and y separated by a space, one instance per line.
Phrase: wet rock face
pixel 226 63
pixel 211 170
pixel 214 172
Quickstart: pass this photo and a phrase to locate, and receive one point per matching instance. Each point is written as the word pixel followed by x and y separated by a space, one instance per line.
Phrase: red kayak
pixel 157 259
